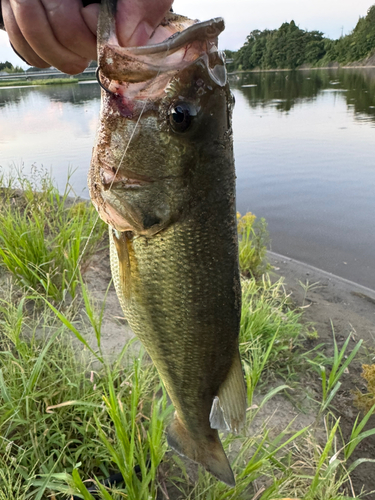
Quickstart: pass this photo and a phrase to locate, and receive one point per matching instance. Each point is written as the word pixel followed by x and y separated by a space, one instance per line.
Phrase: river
pixel 304 149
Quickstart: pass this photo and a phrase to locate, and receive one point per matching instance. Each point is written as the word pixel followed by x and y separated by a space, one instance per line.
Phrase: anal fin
pixel 229 407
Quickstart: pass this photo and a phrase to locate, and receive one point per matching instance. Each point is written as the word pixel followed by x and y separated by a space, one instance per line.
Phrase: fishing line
pixel 137 123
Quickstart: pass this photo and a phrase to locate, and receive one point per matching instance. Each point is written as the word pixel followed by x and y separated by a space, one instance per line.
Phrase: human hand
pixel 62 33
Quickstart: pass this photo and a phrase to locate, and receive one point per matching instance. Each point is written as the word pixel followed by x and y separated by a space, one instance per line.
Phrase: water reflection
pixel 74 94
pixel 285 89
pixel 303 147
pixel 53 126
pixel 304 158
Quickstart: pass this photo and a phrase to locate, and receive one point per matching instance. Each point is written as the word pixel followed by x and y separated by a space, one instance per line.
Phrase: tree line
pixel 291 47
pixel 9 68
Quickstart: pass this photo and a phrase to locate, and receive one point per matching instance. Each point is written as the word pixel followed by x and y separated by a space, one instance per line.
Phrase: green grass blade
pixel 80 486
pixel 360 461
pixel 72 328
pixel 39 365
pixel 331 395
pixel 104 491
pixel 4 392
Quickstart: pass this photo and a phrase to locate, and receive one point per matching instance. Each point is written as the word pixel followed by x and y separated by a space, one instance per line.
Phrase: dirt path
pixel 329 298
pixel 350 308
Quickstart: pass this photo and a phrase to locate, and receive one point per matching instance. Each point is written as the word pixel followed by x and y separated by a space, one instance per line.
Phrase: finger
pixel 136 20
pixel 69 27
pixel 34 25
pixel 90 15
pixel 17 39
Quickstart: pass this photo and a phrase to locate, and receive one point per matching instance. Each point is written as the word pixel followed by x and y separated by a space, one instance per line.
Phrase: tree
pixel 291 47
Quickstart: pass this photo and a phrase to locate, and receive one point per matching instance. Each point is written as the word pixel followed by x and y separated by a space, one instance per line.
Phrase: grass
pixel 366 401
pixel 57 415
pixel 44 81
pixel 62 423
pixel 66 424
pixel 43 235
pixel 253 241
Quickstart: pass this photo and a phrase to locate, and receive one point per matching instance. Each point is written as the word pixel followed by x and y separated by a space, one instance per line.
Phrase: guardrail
pixel 41 75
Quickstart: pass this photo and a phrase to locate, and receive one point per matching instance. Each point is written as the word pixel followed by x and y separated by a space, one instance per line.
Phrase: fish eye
pixel 181 115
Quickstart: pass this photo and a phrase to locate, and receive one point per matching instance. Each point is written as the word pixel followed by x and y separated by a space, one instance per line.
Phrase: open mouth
pixel 186 42
pixel 111 179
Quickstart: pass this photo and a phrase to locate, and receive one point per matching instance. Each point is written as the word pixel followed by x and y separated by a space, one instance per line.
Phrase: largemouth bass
pixel 162 176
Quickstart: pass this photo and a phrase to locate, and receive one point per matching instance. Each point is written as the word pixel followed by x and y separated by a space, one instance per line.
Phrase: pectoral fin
pixel 229 407
pixel 208 452
pixel 120 264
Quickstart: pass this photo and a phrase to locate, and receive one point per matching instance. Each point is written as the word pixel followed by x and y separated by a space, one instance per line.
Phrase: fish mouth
pixel 140 82
pixel 207 30
pixel 125 180
pixel 186 42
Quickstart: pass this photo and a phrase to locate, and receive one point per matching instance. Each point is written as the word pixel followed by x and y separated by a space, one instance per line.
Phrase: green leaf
pixel 81 487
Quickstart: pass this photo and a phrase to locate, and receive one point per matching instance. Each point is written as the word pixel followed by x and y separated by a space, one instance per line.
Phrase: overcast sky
pixel 242 16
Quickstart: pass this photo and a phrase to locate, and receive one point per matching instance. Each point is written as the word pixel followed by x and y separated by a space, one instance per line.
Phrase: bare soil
pixel 338 307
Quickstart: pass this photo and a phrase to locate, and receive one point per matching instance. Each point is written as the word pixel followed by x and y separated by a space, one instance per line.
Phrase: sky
pixel 332 17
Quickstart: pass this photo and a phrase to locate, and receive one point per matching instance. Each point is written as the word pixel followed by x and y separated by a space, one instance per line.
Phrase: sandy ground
pixel 349 306
pixel 335 305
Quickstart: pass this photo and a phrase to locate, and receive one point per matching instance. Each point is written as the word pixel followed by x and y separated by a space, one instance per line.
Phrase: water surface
pixel 304 148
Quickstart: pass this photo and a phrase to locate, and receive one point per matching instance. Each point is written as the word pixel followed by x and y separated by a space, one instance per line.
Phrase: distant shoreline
pixel 309 68
pixel 34 83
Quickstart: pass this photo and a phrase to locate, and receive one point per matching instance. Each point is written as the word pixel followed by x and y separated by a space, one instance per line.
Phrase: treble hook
pixel 100 83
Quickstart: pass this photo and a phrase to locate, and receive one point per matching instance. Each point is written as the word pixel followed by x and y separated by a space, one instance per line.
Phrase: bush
pixel 42 241
pixel 253 241
pixel 366 401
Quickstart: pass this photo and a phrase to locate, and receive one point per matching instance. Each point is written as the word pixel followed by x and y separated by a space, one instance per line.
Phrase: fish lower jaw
pixel 113 218
pixel 111 179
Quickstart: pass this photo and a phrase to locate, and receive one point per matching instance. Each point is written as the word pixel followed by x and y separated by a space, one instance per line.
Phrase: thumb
pixel 90 15
pixel 136 20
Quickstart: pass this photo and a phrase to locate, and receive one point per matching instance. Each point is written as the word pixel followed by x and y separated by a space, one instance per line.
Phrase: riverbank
pixel 336 308
pixel 356 65
pixel 47 81
pixel 294 410
pixel 45 77
pixel 328 298
pixel 61 326
pixel 331 306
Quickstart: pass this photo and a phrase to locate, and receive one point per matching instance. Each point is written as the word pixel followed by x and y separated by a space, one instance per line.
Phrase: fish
pixel 162 177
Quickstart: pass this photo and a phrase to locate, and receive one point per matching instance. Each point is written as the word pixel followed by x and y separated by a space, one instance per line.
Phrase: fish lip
pixel 141 64
pixel 110 179
pixel 206 30
pixel 121 180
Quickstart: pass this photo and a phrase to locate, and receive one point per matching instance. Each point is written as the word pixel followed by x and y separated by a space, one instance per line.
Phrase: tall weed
pixel 365 401
pixel 270 328
pixel 253 241
pixel 43 234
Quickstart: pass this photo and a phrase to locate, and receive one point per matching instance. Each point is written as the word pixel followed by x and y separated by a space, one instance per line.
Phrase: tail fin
pixel 209 453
